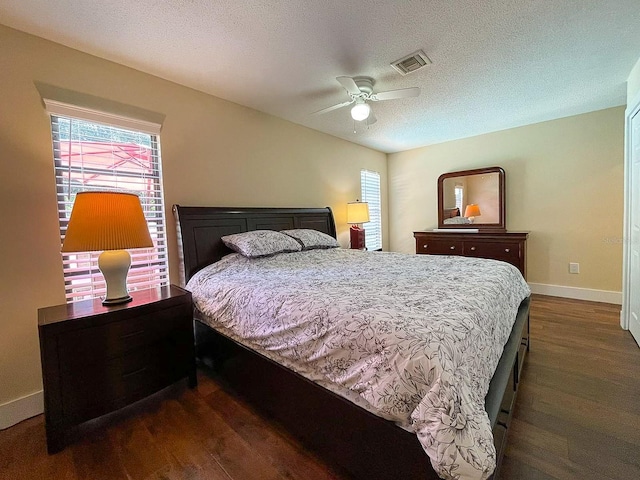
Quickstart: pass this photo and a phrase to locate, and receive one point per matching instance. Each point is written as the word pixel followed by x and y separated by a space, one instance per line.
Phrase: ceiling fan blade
pixel 349 85
pixel 333 107
pixel 393 94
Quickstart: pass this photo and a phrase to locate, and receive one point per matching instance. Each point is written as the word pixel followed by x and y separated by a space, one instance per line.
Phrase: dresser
pixel 510 247
pixel 97 359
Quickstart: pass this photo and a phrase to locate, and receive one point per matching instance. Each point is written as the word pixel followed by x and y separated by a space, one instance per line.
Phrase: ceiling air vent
pixel 411 63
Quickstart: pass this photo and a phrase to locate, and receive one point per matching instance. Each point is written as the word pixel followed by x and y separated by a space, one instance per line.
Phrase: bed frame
pixel 351 438
pixel 450 213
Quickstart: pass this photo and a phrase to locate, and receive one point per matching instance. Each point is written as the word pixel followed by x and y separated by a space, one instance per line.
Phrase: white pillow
pixel 456 221
pixel 261 243
pixel 311 239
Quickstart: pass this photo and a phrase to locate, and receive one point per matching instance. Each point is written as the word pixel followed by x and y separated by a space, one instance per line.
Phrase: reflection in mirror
pixel 472 199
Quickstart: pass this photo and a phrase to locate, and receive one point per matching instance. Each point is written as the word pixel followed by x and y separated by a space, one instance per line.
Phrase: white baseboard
pixel 604 296
pixel 20 409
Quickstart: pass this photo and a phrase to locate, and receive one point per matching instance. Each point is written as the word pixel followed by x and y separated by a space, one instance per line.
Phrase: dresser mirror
pixel 472 199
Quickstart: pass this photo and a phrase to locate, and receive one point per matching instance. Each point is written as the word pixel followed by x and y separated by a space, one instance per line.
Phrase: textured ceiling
pixel 496 63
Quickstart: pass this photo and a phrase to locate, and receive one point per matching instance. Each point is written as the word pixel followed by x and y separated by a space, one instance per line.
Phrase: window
pixel 459 193
pixel 370 185
pixel 90 155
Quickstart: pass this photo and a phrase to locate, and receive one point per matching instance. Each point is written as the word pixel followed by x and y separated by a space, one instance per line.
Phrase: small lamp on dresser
pixel 471 212
pixel 111 222
pixel 357 213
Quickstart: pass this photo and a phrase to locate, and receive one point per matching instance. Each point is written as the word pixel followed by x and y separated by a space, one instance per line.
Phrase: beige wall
pixel 633 83
pixel 214 153
pixel 564 184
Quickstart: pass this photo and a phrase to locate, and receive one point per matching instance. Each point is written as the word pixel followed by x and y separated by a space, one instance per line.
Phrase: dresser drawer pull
pixel 135 372
pixel 425 245
pixel 452 247
pixel 132 334
pixel 473 248
pixel 506 250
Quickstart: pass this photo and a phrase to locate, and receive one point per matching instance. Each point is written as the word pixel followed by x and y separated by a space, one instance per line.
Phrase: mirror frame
pixel 482 227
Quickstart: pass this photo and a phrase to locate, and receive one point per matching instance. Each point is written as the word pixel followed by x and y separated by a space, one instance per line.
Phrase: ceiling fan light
pixel 360 111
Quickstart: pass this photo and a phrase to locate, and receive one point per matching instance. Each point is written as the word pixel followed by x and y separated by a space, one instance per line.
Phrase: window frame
pixel 460 188
pixel 370 189
pixel 150 267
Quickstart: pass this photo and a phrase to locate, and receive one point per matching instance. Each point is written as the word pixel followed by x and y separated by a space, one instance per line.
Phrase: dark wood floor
pixel 578 409
pixel 577 417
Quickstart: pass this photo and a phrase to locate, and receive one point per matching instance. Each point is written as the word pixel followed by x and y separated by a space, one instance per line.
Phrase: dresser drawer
pixel 116 338
pixel 93 390
pixel 439 247
pixel 507 252
pixel 508 247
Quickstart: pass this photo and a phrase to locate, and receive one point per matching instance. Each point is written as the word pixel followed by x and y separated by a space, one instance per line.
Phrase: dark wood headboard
pixel 200 229
pixel 451 212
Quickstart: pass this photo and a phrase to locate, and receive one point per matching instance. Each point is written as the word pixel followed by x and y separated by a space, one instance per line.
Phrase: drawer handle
pixel 452 247
pixel 506 250
pixel 132 334
pixel 473 248
pixel 425 245
pixel 135 372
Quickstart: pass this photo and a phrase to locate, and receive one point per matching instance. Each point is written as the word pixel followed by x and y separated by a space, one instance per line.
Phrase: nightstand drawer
pixel 116 338
pixel 440 247
pixel 89 391
pixel 507 252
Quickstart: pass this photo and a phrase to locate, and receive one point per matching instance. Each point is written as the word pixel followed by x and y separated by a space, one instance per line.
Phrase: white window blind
pixel 370 186
pixel 95 156
pixel 459 193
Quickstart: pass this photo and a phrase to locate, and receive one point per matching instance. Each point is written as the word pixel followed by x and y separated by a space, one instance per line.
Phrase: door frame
pixel 632 109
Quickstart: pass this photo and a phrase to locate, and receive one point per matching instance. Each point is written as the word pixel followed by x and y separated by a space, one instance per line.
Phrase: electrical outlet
pixel 574 268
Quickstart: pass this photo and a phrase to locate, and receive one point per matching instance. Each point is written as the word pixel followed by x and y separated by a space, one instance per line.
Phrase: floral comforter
pixel 415 338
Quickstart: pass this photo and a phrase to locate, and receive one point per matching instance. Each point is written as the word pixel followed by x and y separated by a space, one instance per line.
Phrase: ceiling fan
pixel 360 90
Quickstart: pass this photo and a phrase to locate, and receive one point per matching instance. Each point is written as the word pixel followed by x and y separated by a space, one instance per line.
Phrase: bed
pixel 451 212
pixel 345 431
pixel 451 216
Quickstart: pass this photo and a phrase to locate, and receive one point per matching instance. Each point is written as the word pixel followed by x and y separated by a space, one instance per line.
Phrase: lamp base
pixel 114 265
pixel 357 237
pixel 117 301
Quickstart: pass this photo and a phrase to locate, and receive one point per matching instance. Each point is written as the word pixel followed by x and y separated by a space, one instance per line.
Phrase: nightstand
pixel 97 359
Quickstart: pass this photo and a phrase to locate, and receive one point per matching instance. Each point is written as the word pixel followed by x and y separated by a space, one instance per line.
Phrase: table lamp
pixel 108 221
pixel 472 211
pixel 357 213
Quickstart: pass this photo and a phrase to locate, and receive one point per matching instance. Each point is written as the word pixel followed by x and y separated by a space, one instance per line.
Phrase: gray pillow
pixel 311 239
pixel 261 243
